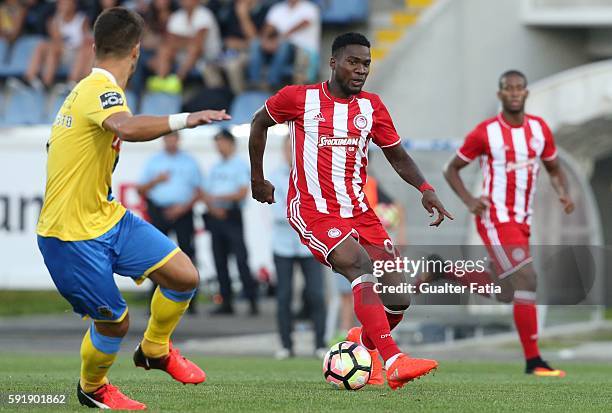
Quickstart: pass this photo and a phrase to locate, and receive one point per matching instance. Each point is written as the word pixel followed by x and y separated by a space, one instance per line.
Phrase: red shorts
pixel 508 245
pixel 321 233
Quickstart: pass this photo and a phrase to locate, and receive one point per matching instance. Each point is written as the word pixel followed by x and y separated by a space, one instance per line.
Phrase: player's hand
pixel 478 206
pixel 568 204
pixel 431 202
pixel 204 117
pixel 263 191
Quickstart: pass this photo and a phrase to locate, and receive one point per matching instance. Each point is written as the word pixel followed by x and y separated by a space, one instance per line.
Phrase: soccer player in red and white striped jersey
pixel 510 146
pixel 331 125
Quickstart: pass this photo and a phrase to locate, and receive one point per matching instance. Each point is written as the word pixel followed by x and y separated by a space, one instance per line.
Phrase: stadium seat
pixel 25 107
pixel 245 105
pixel 159 103
pixel 343 12
pixel 20 56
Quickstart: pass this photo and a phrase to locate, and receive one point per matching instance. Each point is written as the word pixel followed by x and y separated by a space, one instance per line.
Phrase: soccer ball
pixel 347 365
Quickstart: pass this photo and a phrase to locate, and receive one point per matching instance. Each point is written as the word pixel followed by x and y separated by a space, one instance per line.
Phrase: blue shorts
pixel 83 270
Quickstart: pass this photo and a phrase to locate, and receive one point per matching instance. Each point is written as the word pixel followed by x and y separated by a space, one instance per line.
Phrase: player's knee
pixel 118 329
pixel 190 279
pixel 359 263
pixel 525 279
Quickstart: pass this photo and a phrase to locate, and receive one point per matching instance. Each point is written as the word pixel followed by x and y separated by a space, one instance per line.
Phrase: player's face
pixel 513 93
pixel 351 68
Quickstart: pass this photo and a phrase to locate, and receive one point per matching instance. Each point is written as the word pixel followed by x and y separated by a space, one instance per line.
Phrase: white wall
pixel 441 77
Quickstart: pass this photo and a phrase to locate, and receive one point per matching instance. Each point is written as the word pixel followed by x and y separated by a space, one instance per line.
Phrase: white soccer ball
pixel 347 366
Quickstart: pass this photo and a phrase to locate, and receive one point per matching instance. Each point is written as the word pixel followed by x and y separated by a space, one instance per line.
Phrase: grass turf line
pixel 244 384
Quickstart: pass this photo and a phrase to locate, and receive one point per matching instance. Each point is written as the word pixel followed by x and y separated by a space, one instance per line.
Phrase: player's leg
pixel 177 279
pixel 185 231
pixel 378 244
pixel 351 260
pixel 526 321
pixel 82 272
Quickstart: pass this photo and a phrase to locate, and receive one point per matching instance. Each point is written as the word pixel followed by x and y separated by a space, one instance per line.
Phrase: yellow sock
pixel 97 356
pixel 167 308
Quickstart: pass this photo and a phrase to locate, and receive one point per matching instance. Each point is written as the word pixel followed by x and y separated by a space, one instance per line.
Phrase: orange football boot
pixel 108 397
pixel 544 370
pixel 177 366
pixel 405 369
pixel 376 374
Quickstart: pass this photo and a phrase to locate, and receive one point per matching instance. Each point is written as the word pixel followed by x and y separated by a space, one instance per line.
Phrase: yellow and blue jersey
pixel 81 158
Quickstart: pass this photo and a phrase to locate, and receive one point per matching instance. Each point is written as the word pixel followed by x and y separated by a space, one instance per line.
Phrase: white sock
pixel 391 360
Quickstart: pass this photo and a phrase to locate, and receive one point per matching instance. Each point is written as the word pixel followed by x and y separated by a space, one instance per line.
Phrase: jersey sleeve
pixel 282 106
pixel 383 131
pixel 549 152
pixel 473 146
pixel 99 105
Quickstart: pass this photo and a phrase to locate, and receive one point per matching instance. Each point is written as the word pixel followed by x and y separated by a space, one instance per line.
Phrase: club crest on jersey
pixel 346 141
pixel 110 99
pixel 518 254
pixel 334 233
pixel 360 121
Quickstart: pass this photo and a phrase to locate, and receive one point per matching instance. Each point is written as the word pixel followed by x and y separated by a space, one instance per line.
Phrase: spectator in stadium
pixel 292 33
pixel 193 40
pixel 12 18
pixel 171 183
pixel 289 251
pixel 225 190
pixel 69 44
pixel 240 22
pixel 98 6
pixel 38 12
pixel 156 16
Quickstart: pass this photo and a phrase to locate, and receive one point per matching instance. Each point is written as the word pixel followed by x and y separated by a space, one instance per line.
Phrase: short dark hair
pixel 225 134
pixel 512 72
pixel 116 31
pixel 347 39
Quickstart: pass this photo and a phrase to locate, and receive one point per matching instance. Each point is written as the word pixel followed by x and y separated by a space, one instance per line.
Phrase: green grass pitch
pixel 243 384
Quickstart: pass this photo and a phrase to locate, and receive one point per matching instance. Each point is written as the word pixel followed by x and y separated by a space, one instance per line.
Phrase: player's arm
pixel 408 170
pixel 558 180
pixel 263 190
pixel 141 128
pixel 451 172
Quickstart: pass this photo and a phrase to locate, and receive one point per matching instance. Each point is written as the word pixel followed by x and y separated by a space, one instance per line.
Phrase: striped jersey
pixel 509 161
pixel 330 138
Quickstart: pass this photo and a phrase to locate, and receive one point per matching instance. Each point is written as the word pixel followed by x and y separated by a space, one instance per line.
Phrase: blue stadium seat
pixel 25 107
pixel 343 11
pixel 159 103
pixel 20 56
pixel 245 105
